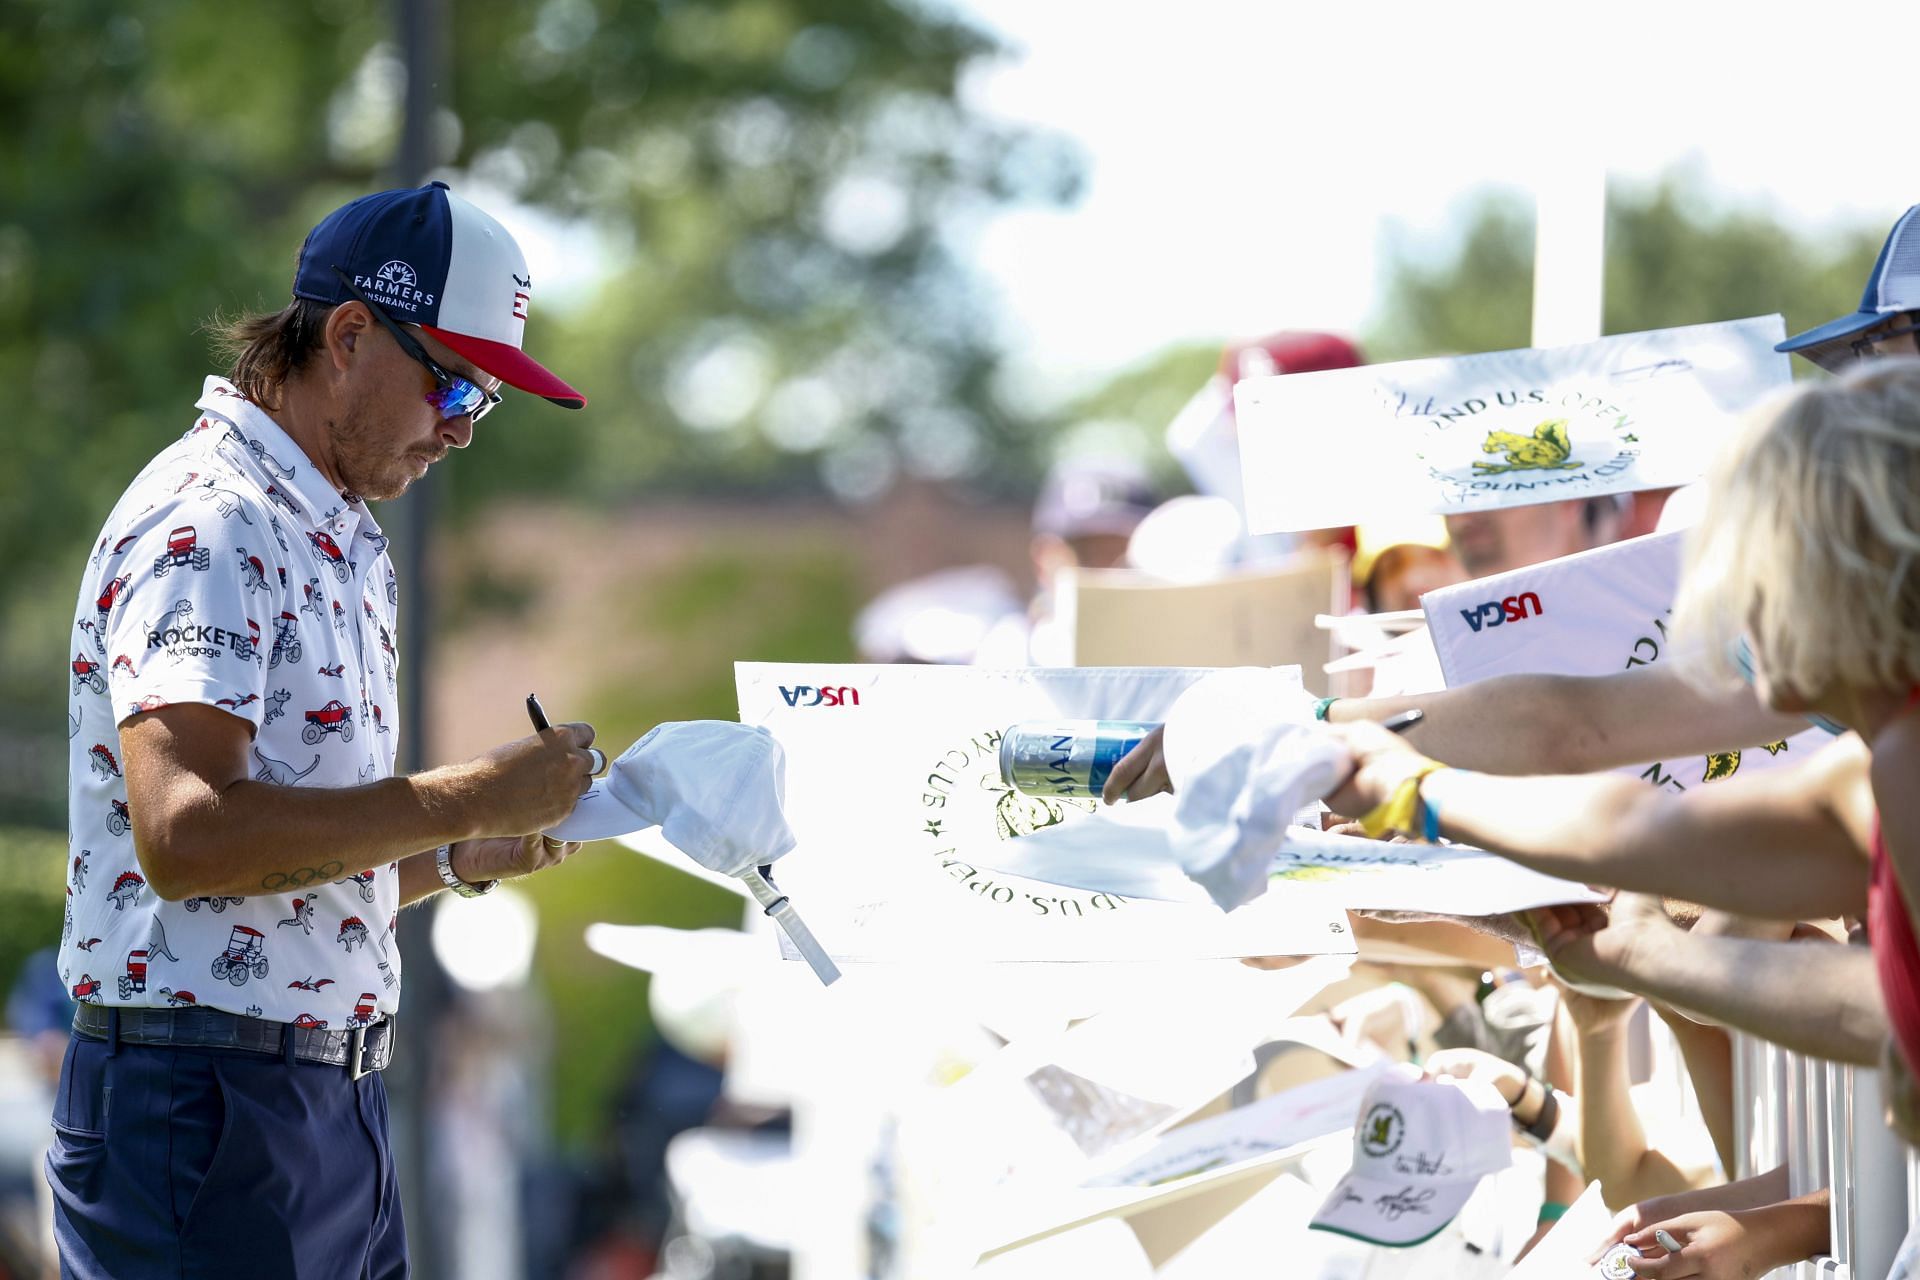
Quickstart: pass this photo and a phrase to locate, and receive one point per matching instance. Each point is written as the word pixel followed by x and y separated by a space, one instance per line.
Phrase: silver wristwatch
pixel 443 863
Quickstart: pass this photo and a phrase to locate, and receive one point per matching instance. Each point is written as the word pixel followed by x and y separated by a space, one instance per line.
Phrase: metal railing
pixel 1823 1120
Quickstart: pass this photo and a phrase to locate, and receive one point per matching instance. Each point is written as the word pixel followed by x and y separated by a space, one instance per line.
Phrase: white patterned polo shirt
pixel 232 574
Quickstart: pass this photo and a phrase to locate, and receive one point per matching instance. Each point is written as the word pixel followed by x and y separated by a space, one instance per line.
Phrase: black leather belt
pixel 359 1049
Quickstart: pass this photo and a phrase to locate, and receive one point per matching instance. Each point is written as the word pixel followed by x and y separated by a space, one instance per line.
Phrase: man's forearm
pixel 1628 1169
pixel 255 837
pixel 1529 724
pixel 1815 999
pixel 1511 725
pixel 1792 1230
pixel 1615 830
pixel 1708 1054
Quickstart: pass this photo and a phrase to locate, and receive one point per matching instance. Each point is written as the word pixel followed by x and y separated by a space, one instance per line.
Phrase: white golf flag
pixel 893 791
pixel 1590 614
pixel 1500 429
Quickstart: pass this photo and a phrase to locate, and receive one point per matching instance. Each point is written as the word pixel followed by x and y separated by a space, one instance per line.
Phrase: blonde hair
pixel 1810 535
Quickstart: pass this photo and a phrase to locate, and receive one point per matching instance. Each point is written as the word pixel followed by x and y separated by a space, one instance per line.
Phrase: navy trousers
pixel 189 1162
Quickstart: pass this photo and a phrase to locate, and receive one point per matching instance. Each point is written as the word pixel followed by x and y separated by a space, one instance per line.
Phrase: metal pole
pixel 421 32
pixel 1569 248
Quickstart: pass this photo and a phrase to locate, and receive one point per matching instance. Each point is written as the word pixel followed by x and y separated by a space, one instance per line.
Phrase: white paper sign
pixel 1563 1251
pixel 893 790
pixel 1590 614
pixel 1133 853
pixel 1305 1113
pixel 1500 429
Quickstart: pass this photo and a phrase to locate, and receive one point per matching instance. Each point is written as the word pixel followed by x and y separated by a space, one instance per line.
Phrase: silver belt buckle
pixel 357 1054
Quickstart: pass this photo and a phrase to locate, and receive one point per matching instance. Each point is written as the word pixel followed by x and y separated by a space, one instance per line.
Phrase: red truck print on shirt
pixel 86 674
pixel 183 552
pixel 330 552
pixel 135 978
pixel 335 717
pixel 245 954
pixel 116 592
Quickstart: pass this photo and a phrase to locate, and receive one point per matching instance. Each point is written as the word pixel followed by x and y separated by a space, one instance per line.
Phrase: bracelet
pixel 1543 1124
pixel 1552 1211
pixel 1397 811
pixel 1320 708
pixel 1429 819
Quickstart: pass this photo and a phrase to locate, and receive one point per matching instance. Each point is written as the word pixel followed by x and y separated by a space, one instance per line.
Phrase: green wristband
pixel 1552 1211
pixel 1320 707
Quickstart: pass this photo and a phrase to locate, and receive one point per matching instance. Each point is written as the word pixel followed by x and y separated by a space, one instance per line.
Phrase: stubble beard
pixel 368 470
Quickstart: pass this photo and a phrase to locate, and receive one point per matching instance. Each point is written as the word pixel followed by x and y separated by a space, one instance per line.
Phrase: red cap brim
pixel 512 366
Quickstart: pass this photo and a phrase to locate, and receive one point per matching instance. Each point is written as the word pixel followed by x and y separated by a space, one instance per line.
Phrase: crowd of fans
pixel 1775 905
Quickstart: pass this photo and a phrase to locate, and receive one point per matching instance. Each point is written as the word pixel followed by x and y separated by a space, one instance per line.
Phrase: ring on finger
pixel 599 761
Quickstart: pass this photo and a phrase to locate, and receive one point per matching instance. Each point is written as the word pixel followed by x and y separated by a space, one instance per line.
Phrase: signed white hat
pixel 713 787
pixel 1419 1149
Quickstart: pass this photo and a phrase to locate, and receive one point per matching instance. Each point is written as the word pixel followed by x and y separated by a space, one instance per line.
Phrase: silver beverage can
pixel 1066 757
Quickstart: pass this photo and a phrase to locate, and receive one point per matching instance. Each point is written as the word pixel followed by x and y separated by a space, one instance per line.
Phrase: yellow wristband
pixel 1399 810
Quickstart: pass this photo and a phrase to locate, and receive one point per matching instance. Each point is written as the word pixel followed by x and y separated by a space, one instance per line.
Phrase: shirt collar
pixel 280 464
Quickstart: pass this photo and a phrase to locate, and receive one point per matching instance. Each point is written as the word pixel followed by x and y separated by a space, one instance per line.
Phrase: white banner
pixel 893 790
pixel 1590 614
pixel 1500 429
pixel 1132 853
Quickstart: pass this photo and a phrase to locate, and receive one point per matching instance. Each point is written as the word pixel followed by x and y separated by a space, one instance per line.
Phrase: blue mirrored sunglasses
pixel 454 396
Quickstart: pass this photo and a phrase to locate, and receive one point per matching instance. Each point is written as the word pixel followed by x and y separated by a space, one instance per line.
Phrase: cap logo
pixel 1382 1130
pixel 395 285
pixel 520 300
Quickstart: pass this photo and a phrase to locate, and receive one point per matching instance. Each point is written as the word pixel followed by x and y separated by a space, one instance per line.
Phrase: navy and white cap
pixel 429 258
pixel 1893 287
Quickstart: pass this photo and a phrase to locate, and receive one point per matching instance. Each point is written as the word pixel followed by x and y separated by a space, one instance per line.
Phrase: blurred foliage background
pixel 758 203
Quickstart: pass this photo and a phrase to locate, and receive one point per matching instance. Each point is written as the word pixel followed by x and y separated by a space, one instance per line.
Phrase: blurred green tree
pixel 764 186
pixel 1674 257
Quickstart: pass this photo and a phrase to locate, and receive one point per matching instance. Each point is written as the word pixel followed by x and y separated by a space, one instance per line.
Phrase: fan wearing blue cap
pixel 241 847
pixel 1888 321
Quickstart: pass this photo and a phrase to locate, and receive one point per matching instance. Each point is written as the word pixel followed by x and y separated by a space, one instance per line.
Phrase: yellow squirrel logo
pixel 1381 1130
pixel 1724 764
pixel 1545 450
